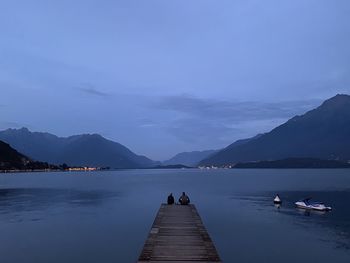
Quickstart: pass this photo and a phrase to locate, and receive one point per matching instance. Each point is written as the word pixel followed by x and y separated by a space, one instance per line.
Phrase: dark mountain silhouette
pixel 94 150
pixel 321 133
pixel 78 150
pixel 189 158
pixel 193 158
pixel 242 141
pixel 10 159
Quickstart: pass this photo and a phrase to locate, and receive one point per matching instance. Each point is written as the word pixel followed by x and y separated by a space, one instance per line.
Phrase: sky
pixel 163 77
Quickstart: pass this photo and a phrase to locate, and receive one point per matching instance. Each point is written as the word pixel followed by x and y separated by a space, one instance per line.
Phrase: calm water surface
pixel 106 216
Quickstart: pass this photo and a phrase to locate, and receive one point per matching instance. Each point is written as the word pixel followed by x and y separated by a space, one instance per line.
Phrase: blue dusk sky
pixel 163 77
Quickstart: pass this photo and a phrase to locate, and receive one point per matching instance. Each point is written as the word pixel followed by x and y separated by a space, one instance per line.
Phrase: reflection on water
pixel 308 212
pixel 105 216
pixel 19 200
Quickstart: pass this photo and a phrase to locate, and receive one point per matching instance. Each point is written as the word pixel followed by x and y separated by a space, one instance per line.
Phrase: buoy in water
pixel 277 200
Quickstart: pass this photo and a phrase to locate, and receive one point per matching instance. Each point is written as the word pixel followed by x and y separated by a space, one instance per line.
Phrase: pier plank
pixel 178 236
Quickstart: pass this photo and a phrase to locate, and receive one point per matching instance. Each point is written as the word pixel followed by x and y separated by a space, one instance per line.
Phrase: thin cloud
pixel 196 130
pixel 91 90
pixel 147 125
pixel 202 120
pixel 233 111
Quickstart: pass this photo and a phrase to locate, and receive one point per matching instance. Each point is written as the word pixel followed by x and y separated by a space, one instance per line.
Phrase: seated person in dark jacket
pixel 171 199
pixel 184 199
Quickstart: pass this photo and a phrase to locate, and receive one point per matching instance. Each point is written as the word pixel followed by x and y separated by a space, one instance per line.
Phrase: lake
pixel 106 216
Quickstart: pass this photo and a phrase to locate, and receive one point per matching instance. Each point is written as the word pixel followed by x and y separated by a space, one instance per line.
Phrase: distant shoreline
pixel 192 168
pixel 295 163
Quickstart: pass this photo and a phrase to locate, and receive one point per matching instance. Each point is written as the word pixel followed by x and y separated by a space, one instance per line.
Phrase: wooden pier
pixel 179 236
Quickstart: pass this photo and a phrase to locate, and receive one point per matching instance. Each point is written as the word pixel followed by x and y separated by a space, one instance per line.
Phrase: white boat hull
pixel 315 206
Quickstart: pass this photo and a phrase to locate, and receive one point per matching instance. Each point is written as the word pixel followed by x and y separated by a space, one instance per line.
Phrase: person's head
pixel 171 194
pixel 183 193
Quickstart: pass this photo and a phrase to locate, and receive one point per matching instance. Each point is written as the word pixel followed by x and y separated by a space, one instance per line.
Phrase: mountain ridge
pixel 320 133
pixel 75 150
pixel 189 158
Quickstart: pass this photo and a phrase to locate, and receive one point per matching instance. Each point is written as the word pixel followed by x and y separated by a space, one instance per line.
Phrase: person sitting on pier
pixel 184 199
pixel 171 199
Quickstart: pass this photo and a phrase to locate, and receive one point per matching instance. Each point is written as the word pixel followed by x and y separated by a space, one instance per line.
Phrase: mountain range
pixel 322 133
pixel 79 150
pixel 189 158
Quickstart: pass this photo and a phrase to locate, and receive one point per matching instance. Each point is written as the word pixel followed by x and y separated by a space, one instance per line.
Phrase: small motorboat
pixel 306 204
pixel 277 200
